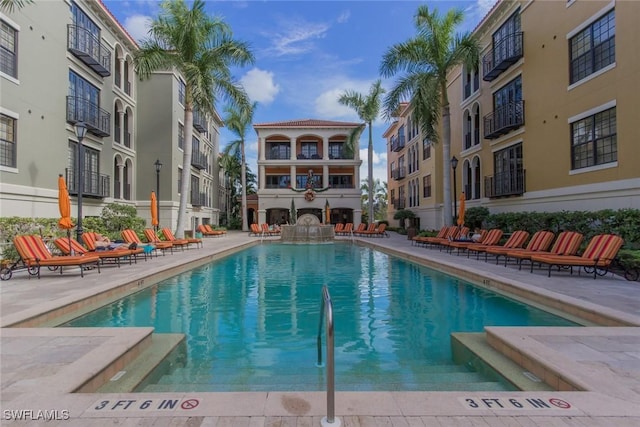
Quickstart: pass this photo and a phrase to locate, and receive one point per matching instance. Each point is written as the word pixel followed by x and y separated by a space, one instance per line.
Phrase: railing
pixel 505 184
pixel 199 121
pixel 504 119
pixel 398 173
pixel 397 144
pixel 504 53
pixel 278 153
pixel 326 307
pixel 98 121
pixel 88 48
pixel 198 199
pixel 94 184
pixel 199 160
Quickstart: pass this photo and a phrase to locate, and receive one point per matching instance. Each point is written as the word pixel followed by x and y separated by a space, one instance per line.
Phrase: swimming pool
pixel 251 321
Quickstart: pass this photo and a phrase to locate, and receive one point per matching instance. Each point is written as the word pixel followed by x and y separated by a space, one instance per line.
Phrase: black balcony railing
pixel 399 203
pixel 96 185
pixel 199 160
pixel 98 121
pixel 505 52
pixel 397 143
pixel 198 199
pixel 505 184
pixel 89 49
pixel 199 121
pixel 504 119
pixel 278 152
pixel 399 173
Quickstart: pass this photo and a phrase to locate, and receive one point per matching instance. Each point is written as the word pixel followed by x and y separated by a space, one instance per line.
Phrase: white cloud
pixel 296 38
pixel 260 85
pixel 327 105
pixel 379 164
pixel 344 17
pixel 138 26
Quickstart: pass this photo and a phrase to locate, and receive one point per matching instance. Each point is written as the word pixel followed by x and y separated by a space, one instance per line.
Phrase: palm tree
pixel 11 5
pixel 202 49
pixel 367 108
pixel 238 121
pixel 426 61
pixel 379 198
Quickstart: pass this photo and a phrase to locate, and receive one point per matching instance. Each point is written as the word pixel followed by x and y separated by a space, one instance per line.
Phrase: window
pixel 179 180
pixel 278 151
pixel 278 181
pixel 8 43
pixel 594 140
pixel 309 149
pixel 336 150
pixel 593 48
pixel 414 193
pixel 181 90
pixel 505 44
pixel 7 141
pixel 508 94
pixel 180 136
pixel 91 182
pixel 426 186
pixel 341 181
pixel 313 181
pixel 86 99
pixel 508 176
pixel 426 149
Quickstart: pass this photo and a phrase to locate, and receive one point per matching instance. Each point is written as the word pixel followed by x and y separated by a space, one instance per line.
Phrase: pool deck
pixel 596 369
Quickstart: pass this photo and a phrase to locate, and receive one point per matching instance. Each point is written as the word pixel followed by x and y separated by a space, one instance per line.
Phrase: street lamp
pixel 158 166
pixel 81 130
pixel 454 165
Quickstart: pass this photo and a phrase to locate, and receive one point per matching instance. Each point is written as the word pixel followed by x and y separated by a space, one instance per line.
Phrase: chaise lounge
pixel 35 254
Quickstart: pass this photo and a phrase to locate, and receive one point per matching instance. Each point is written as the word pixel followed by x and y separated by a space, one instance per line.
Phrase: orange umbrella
pixel 154 210
pixel 327 218
pixel 461 209
pixel 64 204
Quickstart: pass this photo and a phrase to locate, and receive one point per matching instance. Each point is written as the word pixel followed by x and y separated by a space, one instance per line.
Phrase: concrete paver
pixel 40 366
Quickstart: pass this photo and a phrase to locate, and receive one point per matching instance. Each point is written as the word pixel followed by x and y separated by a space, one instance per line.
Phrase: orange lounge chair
pixel 462 245
pixel 339 227
pixel 598 255
pixel 130 236
pixel 35 254
pixel 152 237
pixel 69 245
pixel 567 243
pixel 267 231
pixel 212 232
pixel 361 227
pixel 89 239
pixel 202 229
pixel 540 241
pixel 255 230
pixel 347 230
pixel 515 241
pixel 453 232
pixel 423 239
pixel 493 237
pixel 370 229
pixel 381 231
pixel 460 235
pixel 168 234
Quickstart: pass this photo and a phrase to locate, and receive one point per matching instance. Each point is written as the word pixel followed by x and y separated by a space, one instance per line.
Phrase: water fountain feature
pixel 307 229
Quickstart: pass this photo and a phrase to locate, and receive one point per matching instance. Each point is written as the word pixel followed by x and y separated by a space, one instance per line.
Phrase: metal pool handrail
pixel 327 307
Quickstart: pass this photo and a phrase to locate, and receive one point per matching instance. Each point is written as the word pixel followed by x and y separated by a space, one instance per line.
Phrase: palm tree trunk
pixel 446 172
pixel 243 181
pixel 370 173
pixel 186 170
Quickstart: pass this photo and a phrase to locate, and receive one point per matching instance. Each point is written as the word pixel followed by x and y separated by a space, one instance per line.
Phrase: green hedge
pixel 113 219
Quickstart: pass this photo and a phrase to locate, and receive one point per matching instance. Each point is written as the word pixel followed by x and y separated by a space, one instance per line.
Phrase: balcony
pixel 199 160
pixel 505 184
pixel 278 152
pixel 397 143
pixel 503 120
pixel 87 47
pixel 199 121
pixel 98 121
pixel 399 203
pixel 504 53
pixel 96 185
pixel 198 199
pixel 399 173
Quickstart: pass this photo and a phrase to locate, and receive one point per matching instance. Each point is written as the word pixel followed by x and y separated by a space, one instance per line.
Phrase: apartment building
pixel 69 62
pixel 308 165
pixel 546 121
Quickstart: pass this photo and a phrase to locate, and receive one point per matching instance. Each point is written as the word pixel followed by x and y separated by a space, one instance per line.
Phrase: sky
pixel 307 53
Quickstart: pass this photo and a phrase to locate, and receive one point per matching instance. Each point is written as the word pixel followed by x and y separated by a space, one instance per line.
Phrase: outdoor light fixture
pixel 81 130
pixel 158 166
pixel 454 165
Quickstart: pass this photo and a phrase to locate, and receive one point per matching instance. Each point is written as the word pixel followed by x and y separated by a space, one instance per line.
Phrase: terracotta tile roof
pixel 106 9
pixel 306 123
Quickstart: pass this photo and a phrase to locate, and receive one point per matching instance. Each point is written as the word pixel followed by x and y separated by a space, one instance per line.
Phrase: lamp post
pixel 158 166
pixel 454 165
pixel 81 130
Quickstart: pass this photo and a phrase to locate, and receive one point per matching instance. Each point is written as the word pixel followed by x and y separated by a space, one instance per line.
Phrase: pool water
pixel 251 321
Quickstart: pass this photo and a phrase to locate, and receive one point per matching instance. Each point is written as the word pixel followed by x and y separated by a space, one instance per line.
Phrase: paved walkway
pixel 595 369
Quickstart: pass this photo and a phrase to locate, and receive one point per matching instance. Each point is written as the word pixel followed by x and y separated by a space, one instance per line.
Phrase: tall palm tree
pixel 11 5
pixel 202 49
pixel 426 61
pixel 238 121
pixel 379 197
pixel 367 107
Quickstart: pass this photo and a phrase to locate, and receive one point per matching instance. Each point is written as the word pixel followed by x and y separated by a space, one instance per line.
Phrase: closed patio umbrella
pixel 64 204
pixel 327 213
pixel 154 210
pixel 461 210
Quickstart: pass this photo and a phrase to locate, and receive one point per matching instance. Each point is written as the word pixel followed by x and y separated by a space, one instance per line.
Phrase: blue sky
pixel 309 52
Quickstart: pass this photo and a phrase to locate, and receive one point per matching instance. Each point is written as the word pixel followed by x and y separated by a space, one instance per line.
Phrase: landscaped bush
pixel 114 218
